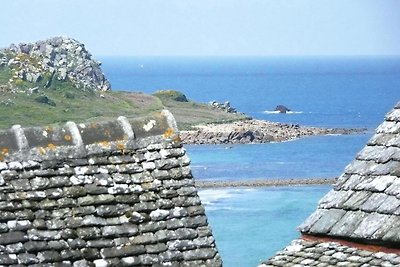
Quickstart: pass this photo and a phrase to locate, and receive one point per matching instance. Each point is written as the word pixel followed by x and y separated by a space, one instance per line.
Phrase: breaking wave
pixel 277 112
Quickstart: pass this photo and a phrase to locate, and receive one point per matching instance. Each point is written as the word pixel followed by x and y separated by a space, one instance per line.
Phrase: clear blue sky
pixel 209 27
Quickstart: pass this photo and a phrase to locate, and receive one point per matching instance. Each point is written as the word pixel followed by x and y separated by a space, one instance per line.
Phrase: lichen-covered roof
pixel 365 203
pixel 358 222
pixel 104 194
pixel 302 253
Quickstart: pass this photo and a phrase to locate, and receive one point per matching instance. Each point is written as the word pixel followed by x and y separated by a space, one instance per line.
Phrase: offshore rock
pixel 59 58
pixel 282 109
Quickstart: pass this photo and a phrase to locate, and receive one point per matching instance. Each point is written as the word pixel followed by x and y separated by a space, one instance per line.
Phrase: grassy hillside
pixel 31 104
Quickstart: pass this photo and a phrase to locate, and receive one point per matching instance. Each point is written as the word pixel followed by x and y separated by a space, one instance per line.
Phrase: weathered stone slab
pixel 348 223
pixel 374 202
pixel 334 199
pixel 356 200
pixel 328 219
pixel 372 223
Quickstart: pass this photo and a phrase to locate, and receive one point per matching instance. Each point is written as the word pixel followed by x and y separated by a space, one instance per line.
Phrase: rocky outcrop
pixel 254 131
pixel 58 58
pixel 224 107
pixel 282 109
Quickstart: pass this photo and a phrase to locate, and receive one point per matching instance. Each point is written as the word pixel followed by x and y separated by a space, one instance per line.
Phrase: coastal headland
pixel 57 80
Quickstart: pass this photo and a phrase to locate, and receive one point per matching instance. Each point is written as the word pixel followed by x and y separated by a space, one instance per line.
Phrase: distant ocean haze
pixel 250 225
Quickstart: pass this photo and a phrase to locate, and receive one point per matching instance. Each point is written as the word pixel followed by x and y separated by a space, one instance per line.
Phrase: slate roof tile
pixel 330 254
pixel 389 127
pixel 393 234
pixel 393 115
pixel 334 199
pixel 352 182
pixel 374 202
pixel 370 225
pixel 348 223
pixel 324 224
pixel 384 227
pixel 356 200
pixel 394 188
pixel 381 139
pixel 390 205
pixel 306 225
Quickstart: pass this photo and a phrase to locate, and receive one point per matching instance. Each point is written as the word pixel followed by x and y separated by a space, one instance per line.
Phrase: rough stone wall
pixel 116 193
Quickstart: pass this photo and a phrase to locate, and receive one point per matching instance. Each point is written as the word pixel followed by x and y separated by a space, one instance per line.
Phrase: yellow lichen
pixel 19 81
pixel 4 151
pixel 104 144
pixel 49 129
pixel 67 137
pixel 51 146
pixel 42 150
pixel 177 139
pixel 93 125
pixel 168 133
pixel 1 158
pixel 121 146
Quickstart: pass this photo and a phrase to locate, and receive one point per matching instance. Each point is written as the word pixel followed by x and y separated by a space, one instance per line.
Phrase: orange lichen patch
pixel 168 133
pixel 368 247
pixel 177 139
pixel 121 146
pixel 67 137
pixel 49 129
pixel 1 158
pixel 42 150
pixel 51 146
pixel 93 125
pixel 105 144
pixel 4 151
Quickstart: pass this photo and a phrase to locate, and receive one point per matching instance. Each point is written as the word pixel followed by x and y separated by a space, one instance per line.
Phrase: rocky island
pixel 254 131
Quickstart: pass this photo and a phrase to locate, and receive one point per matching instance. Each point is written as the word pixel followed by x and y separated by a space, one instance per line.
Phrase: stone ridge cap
pixel 23 142
pixel 373 247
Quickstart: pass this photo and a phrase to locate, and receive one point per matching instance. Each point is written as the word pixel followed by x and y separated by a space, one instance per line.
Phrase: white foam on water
pixel 277 112
pixel 210 196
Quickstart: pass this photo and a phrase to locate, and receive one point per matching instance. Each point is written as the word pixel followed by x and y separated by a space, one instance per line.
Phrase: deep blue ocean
pixel 250 225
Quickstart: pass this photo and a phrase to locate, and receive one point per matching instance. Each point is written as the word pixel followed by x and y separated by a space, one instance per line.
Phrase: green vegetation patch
pixel 173 95
pixel 62 101
pixel 188 113
pixel 50 101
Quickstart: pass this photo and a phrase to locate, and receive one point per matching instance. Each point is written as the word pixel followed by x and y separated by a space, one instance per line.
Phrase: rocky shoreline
pixel 255 131
pixel 264 183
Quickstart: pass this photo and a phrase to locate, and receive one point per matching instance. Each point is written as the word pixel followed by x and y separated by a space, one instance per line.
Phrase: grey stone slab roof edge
pixel 72 140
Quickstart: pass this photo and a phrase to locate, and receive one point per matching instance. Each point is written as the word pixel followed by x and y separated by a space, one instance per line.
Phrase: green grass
pixel 63 102
pixel 188 114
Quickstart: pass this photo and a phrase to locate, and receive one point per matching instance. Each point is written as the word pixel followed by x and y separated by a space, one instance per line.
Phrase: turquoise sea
pixel 250 225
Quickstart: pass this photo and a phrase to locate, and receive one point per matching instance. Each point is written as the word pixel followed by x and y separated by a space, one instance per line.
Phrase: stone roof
pixel 364 205
pixel 302 253
pixel 112 193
